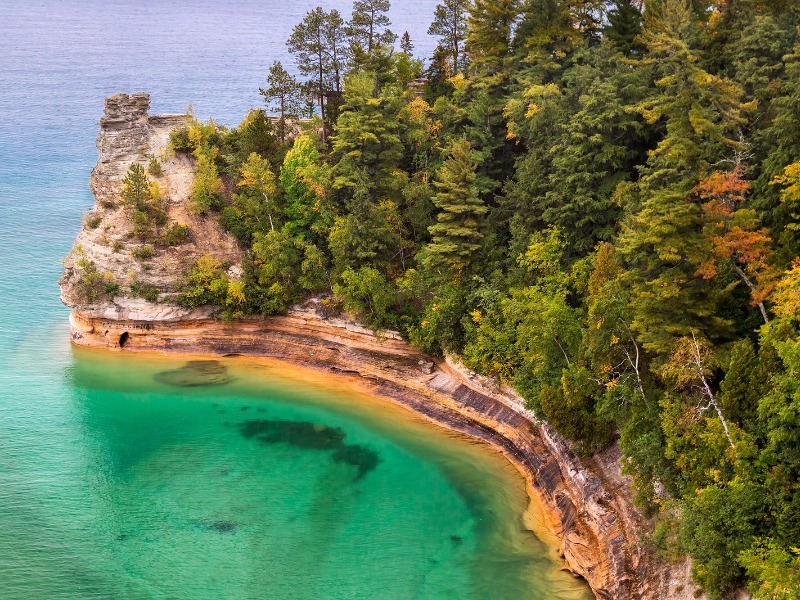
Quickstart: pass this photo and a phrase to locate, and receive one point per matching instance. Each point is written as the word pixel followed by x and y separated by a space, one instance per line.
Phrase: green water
pixel 167 478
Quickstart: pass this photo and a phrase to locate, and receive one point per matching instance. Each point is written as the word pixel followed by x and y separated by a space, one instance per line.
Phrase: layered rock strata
pixel 586 503
pixel 128 134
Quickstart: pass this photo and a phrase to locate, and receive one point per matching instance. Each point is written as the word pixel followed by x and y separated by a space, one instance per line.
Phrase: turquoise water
pixel 135 477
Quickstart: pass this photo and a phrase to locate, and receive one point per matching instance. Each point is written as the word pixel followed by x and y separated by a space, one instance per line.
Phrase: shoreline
pixel 586 508
pixel 350 390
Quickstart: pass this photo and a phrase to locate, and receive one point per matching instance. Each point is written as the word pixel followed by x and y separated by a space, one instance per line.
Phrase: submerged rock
pixel 223 526
pixel 313 436
pixel 196 373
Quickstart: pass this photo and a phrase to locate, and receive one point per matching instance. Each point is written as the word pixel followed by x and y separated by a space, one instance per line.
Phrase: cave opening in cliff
pixel 123 339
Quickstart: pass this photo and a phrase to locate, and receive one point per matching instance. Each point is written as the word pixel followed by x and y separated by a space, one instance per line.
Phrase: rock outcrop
pixel 587 503
pixel 128 134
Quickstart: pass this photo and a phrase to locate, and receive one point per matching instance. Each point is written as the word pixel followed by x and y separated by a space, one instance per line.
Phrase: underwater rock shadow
pixel 196 373
pixel 313 436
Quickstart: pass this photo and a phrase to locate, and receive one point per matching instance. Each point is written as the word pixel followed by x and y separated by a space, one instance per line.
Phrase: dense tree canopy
pixel 597 202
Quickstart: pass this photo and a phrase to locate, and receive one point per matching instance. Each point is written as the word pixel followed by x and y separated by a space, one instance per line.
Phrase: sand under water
pixel 238 478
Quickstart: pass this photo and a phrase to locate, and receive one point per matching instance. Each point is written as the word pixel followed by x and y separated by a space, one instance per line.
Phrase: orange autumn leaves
pixel 733 233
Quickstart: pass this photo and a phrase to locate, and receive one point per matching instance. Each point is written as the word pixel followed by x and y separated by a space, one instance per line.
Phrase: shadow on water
pixel 196 373
pixel 313 436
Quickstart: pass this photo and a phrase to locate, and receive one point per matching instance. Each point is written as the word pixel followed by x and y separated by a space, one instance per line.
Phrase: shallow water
pixel 137 477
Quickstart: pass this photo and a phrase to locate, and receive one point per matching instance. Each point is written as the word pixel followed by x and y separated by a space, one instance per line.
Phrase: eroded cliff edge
pixel 587 502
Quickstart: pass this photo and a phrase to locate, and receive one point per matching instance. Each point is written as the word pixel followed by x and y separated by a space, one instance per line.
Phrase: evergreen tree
pixel 368 151
pixel 406 45
pixel 318 43
pixel 438 74
pixel 575 162
pixel 368 28
pixel 663 243
pixel 456 235
pixel 489 37
pixel 450 25
pixel 281 95
pixel 624 27
pixel 367 138
pixel 136 188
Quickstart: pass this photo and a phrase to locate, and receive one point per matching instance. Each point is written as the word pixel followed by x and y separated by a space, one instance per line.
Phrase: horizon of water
pixel 125 477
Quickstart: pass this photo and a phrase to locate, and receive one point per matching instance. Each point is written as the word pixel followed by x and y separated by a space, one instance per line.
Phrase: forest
pixel 593 201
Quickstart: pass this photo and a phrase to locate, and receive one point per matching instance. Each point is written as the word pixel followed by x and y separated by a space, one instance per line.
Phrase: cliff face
pixel 587 503
pixel 128 134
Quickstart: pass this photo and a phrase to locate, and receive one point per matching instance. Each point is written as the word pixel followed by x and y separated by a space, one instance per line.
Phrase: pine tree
pixel 367 138
pixel 583 143
pixel 406 45
pixel 663 243
pixel 624 26
pixel 489 36
pixel 136 188
pixel 368 28
pixel 457 234
pixel 450 25
pixel 318 43
pixel 368 151
pixel 281 95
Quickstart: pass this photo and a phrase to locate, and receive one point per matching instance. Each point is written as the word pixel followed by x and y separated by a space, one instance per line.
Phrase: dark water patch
pixel 456 539
pixel 196 373
pixel 244 408
pixel 222 526
pixel 313 436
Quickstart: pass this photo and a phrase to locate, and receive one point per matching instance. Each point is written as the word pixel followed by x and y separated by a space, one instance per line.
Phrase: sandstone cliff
pixel 129 134
pixel 587 503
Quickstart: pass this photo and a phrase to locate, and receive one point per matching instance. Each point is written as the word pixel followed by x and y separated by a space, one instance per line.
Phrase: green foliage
pixel 718 523
pixel 154 167
pixel 282 96
pixel 367 294
pixel 282 269
pixel 143 252
pixel 92 221
pixel 450 26
pixel 304 180
pixel 575 204
pixel 774 570
pixel 624 27
pixel 368 28
pixel 142 198
pixel 175 235
pixel 205 283
pixel 93 285
pixel 144 290
pixel 207 186
pixel 457 233
pixel 318 42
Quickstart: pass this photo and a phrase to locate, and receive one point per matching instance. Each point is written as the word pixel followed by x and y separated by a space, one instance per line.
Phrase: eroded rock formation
pixel 128 134
pixel 587 503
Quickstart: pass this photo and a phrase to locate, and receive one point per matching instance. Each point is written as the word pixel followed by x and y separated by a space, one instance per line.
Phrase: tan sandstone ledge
pixel 585 504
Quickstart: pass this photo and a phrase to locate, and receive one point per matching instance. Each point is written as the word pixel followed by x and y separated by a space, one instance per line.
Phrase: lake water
pixel 120 479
